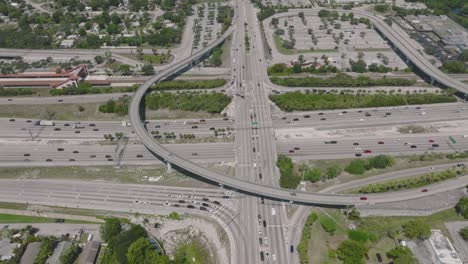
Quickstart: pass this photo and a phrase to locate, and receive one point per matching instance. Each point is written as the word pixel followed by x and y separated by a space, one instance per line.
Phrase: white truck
pixel 126 124
pixel 46 123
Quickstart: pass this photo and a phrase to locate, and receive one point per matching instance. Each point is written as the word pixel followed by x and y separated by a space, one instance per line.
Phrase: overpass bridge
pixel 248 187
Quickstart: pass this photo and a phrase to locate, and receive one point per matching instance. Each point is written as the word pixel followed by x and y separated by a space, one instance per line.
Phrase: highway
pixel 130 198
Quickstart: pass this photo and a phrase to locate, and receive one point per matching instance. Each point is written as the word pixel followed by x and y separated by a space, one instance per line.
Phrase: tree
pixel 462 207
pixel 143 252
pixel 382 8
pixel 356 167
pixel 110 229
pixel 352 252
pixel 454 67
pixel 464 233
pixel 333 172
pixel 297 68
pixel 147 69
pixel 312 175
pixel 401 255
pixel 381 161
pixel 99 59
pixel 70 254
pixel 464 54
pixel 417 229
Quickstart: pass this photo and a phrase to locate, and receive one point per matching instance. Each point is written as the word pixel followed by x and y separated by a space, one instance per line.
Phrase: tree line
pixel 341 80
pixel 297 101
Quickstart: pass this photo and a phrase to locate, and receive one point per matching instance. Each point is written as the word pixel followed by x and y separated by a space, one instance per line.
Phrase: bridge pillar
pixel 169 167
pixel 432 81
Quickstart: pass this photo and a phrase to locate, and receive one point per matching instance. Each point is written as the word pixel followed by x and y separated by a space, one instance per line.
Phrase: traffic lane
pixel 26 128
pixel 133 193
pixel 347 148
pixel 107 153
pixel 372 116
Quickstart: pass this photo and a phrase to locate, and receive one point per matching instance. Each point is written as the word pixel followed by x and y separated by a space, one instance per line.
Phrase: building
pixel 90 253
pixel 48 78
pixel 61 246
pixel 444 251
pixel 31 253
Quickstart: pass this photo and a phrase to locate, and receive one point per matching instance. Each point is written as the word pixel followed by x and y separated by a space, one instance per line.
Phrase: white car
pixel 167 203
pixel 273 256
pixel 137 202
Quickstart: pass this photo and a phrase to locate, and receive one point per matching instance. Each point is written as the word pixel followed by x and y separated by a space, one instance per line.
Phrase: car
pixel 194 154
pixel 262 256
pixel 333 142
pixel 387 114
pixel 216 202
pixel 273 257
pixel 205 204
pixel 225 119
pixel 77 132
pixel 12 120
pixel 284 118
pixel 27 160
pixel 139 156
pixel 60 149
pixel 92 156
pixel 225 197
pixel 355 144
pixel 167 203
pixel 9 99
pixel 76 152
pixel 264 223
pixel 136 201
pixel 27 154
pixel 424 190
pixel 57 129
pixel 28 121
pixel 380 142
pixel 190 206
pixel 95 129
pixel 202 120
pixel 306 116
pixel 59 220
pixel 460 165
pixel 368 114
pixel 176 205
pixel 71 160
pixel 367 151
pixel 194 127
pixel 323 119
pixel 60 100
pixel 430 140
pixel 108 156
pixel 66 124
pixel 203 208
pixel 48 160
pixel 358 155
pixel 181 201
pixel 413 146
pixel 363 198
pixel 260 176
pixel 110 159
pixel 344 112
pixel 295 119
pixel 291 151
pixel 262 200
pixel 205 199
pixel 212 128
pixel 259 229
pixel 291 249
pixel 418 107
pixel 435 145
pixel 92 125
pixel 320 113
pixel 297 148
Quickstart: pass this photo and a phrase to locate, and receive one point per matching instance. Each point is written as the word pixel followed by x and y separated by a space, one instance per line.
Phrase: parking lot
pixel 339 40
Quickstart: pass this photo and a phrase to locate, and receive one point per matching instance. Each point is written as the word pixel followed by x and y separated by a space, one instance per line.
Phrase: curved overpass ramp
pixel 400 40
pixel 246 186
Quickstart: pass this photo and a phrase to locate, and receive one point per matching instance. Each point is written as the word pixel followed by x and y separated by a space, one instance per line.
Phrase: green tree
pixel 99 59
pixel 401 255
pixel 70 254
pixel 352 252
pixel 333 171
pixel 381 161
pixel 110 229
pixel 147 69
pixel 454 67
pixel 464 54
pixel 143 252
pixel 462 207
pixel 312 175
pixel 417 229
pixel 356 167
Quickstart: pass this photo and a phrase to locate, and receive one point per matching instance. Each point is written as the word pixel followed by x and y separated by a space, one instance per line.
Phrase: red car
pixel 424 190
pixel 291 151
pixel 367 151
pixel 363 198
pixel 381 142
pixel 431 140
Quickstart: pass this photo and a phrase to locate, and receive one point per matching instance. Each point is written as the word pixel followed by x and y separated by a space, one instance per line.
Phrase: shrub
pixel 417 229
pixel 358 235
pixel 312 175
pixel 328 224
pixel 464 233
pixel 356 167
pixel 462 207
pixel 351 252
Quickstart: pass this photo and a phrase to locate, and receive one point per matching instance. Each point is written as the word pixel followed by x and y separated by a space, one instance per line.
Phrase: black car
pixel 413 146
pixel 323 119
pixel 205 199
pixel 205 204
pixel 435 145
pixel 27 154
pixel 358 155
pixel 92 125
pixel 181 201
pixel 190 206
pixel 203 208
pixel 216 202
pixel 355 144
